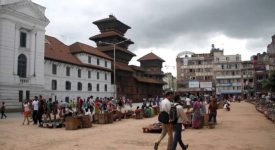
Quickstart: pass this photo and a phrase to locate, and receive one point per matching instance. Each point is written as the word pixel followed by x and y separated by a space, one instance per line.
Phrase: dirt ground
pixel 243 128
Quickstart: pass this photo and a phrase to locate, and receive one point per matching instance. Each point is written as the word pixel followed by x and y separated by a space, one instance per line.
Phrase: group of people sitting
pixel 40 109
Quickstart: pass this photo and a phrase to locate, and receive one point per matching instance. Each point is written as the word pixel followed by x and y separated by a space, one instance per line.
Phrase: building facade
pixel 76 70
pixel 22 35
pixel 248 79
pixel 171 82
pixel 228 74
pixel 260 65
pixel 195 72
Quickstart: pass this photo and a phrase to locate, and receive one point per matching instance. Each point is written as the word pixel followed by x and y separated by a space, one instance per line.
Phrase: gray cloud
pixel 180 24
pixel 241 19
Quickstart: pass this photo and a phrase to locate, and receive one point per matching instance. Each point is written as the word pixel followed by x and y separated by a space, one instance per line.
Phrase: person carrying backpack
pixel 178 121
pixel 165 106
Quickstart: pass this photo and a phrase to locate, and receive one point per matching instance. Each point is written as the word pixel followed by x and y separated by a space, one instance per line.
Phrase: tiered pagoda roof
pixel 151 56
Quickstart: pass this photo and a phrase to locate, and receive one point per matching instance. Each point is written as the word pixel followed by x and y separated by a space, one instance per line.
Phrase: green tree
pixel 269 83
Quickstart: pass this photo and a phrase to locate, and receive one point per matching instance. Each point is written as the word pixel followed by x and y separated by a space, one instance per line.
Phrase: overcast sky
pixel 167 27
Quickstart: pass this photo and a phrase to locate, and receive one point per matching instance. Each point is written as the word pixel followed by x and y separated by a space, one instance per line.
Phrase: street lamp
pixel 114 45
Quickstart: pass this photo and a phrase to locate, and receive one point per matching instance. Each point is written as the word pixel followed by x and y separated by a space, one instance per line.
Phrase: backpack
pixel 163 117
pixel 173 114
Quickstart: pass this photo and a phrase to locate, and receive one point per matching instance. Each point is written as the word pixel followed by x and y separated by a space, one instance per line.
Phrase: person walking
pixel 35 110
pixel 165 105
pixel 212 110
pixel 26 112
pixel 182 118
pixel 196 114
pixel 3 110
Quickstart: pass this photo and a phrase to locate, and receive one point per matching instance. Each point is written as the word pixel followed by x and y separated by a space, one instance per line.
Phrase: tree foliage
pixel 269 83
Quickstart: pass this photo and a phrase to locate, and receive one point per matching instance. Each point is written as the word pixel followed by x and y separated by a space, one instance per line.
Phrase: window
pixel 97 75
pixel 68 85
pixel 98 63
pixel 89 59
pixel 79 73
pixel 22 66
pixel 68 69
pixel 97 87
pixel 54 85
pixel 67 99
pixel 106 64
pixel 20 96
pixel 54 69
pixel 227 58
pixel 106 76
pixel 222 66
pixel 105 87
pixel 89 74
pixel 89 87
pixel 23 39
pixel 27 94
pixel 79 86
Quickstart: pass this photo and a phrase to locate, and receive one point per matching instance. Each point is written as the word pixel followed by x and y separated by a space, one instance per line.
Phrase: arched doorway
pixel 22 66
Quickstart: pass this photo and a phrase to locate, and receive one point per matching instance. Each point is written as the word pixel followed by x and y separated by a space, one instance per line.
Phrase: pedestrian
pixel 182 118
pixel 196 114
pixel 3 110
pixel 212 110
pixel 26 112
pixel 41 109
pixel 35 110
pixel 165 105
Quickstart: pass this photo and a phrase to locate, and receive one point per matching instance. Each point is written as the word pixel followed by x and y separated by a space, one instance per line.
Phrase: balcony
pixel 24 80
pixel 229 77
pixel 228 84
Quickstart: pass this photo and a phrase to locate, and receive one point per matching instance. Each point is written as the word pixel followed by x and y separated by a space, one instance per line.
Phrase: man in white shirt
pixel 35 110
pixel 188 102
pixel 165 105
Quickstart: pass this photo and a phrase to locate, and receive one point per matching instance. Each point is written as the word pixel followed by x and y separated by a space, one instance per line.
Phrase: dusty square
pixel 243 128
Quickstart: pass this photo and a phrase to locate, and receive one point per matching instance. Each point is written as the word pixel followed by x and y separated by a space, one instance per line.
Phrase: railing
pixel 24 80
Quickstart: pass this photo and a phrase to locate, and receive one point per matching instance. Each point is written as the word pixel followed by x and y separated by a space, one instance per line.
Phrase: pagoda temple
pixel 132 82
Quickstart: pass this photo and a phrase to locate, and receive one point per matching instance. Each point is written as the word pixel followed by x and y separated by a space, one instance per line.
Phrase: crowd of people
pixel 197 107
pixel 41 110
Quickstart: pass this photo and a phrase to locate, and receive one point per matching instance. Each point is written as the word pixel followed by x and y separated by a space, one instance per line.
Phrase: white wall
pixel 11 23
pixel 61 78
pixel 83 57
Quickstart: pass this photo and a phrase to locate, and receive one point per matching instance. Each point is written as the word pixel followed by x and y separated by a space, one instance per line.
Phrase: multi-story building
pixel 228 75
pixel 22 36
pixel 260 65
pixel 76 70
pixel 248 79
pixel 194 72
pixel 271 53
pixel 171 82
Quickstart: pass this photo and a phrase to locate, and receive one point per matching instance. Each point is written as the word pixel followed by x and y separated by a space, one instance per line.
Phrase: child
pixel 26 112
pixel 3 109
